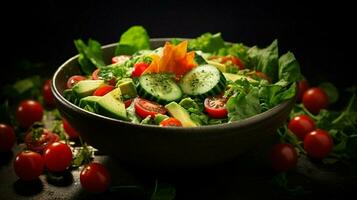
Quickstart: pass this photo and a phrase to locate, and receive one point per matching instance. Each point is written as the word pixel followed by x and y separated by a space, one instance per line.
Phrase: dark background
pixel 320 35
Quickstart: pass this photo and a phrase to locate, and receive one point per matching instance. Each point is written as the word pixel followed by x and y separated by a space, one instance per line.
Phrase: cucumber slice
pixel 158 87
pixel 203 81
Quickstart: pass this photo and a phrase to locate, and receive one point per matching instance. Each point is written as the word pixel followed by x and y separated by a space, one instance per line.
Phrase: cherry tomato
pixel 47 94
pixel 301 125
pixel 315 99
pixel 120 59
pixel 7 138
pixel 102 90
pixel 128 102
pixel 236 61
pixel 303 85
pixel 139 68
pixel 318 144
pixel 57 157
pixel 28 112
pixel 28 165
pixel 145 108
pixel 71 132
pixel 38 139
pixel 95 74
pixel 283 157
pixel 215 106
pixel 95 178
pixel 74 80
pixel 170 122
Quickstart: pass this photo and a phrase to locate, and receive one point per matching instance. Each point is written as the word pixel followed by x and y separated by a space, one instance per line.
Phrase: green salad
pixel 188 83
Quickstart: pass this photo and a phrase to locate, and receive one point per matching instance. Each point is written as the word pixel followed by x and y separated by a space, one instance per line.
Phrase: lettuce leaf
pixel 134 39
pixel 90 56
pixel 207 43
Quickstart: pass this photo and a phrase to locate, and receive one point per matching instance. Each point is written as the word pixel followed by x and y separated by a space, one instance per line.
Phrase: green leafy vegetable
pixel 238 50
pixel 331 91
pixel 265 60
pixel 90 55
pixel 134 39
pixel 289 68
pixel 207 43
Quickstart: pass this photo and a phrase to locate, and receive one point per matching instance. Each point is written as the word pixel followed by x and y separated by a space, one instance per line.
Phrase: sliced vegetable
pixel 170 122
pixel 146 108
pixel 215 106
pixel 202 81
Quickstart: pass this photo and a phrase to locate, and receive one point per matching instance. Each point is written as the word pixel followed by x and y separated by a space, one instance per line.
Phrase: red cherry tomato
pixel 38 139
pixel 236 61
pixel 71 132
pixel 95 178
pixel 139 68
pixel 95 74
pixel 28 165
pixel 7 138
pixel 283 157
pixel 47 94
pixel 128 102
pixel 102 90
pixel 318 144
pixel 215 106
pixel 74 80
pixel 303 85
pixel 120 59
pixel 57 157
pixel 145 108
pixel 301 125
pixel 28 112
pixel 170 122
pixel 315 99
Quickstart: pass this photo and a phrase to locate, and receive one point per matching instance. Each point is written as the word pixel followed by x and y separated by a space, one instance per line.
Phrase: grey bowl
pixel 158 147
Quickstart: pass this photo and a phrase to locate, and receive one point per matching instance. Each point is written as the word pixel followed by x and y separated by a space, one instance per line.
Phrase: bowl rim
pixel 234 125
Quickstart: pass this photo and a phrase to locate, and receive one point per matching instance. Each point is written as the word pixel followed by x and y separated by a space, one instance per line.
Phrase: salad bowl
pixel 165 147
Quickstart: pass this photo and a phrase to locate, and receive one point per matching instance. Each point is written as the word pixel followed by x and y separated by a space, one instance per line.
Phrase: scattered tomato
pixel 57 157
pixel 215 106
pixel 102 90
pixel 28 165
pixel 71 132
pixel 303 85
pixel 301 125
pixel 128 102
pixel 283 157
pixel 315 99
pixel 95 178
pixel 7 137
pixel 38 139
pixel 170 122
pixel 139 68
pixel 145 108
pixel 74 80
pixel 47 94
pixel 28 112
pixel 318 144
pixel 120 59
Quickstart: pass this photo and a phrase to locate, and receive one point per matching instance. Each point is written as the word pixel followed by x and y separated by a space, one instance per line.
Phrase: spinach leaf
pixel 207 43
pixel 265 60
pixel 331 91
pixel 243 105
pixel 90 55
pixel 289 68
pixel 134 39
pixel 275 94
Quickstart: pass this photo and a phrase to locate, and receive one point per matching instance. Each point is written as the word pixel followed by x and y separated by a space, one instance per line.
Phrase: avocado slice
pixel 218 65
pixel 91 101
pixel 181 114
pixel 86 87
pixel 234 77
pixel 111 105
pixel 127 88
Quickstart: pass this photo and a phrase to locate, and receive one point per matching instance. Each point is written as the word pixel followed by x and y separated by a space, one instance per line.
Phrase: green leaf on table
pixel 28 88
pixel 163 191
pixel 83 156
pixel 331 91
pixel 134 39
pixel 265 60
pixel 90 55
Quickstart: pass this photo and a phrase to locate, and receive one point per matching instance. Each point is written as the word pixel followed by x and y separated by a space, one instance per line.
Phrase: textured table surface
pixel 244 178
